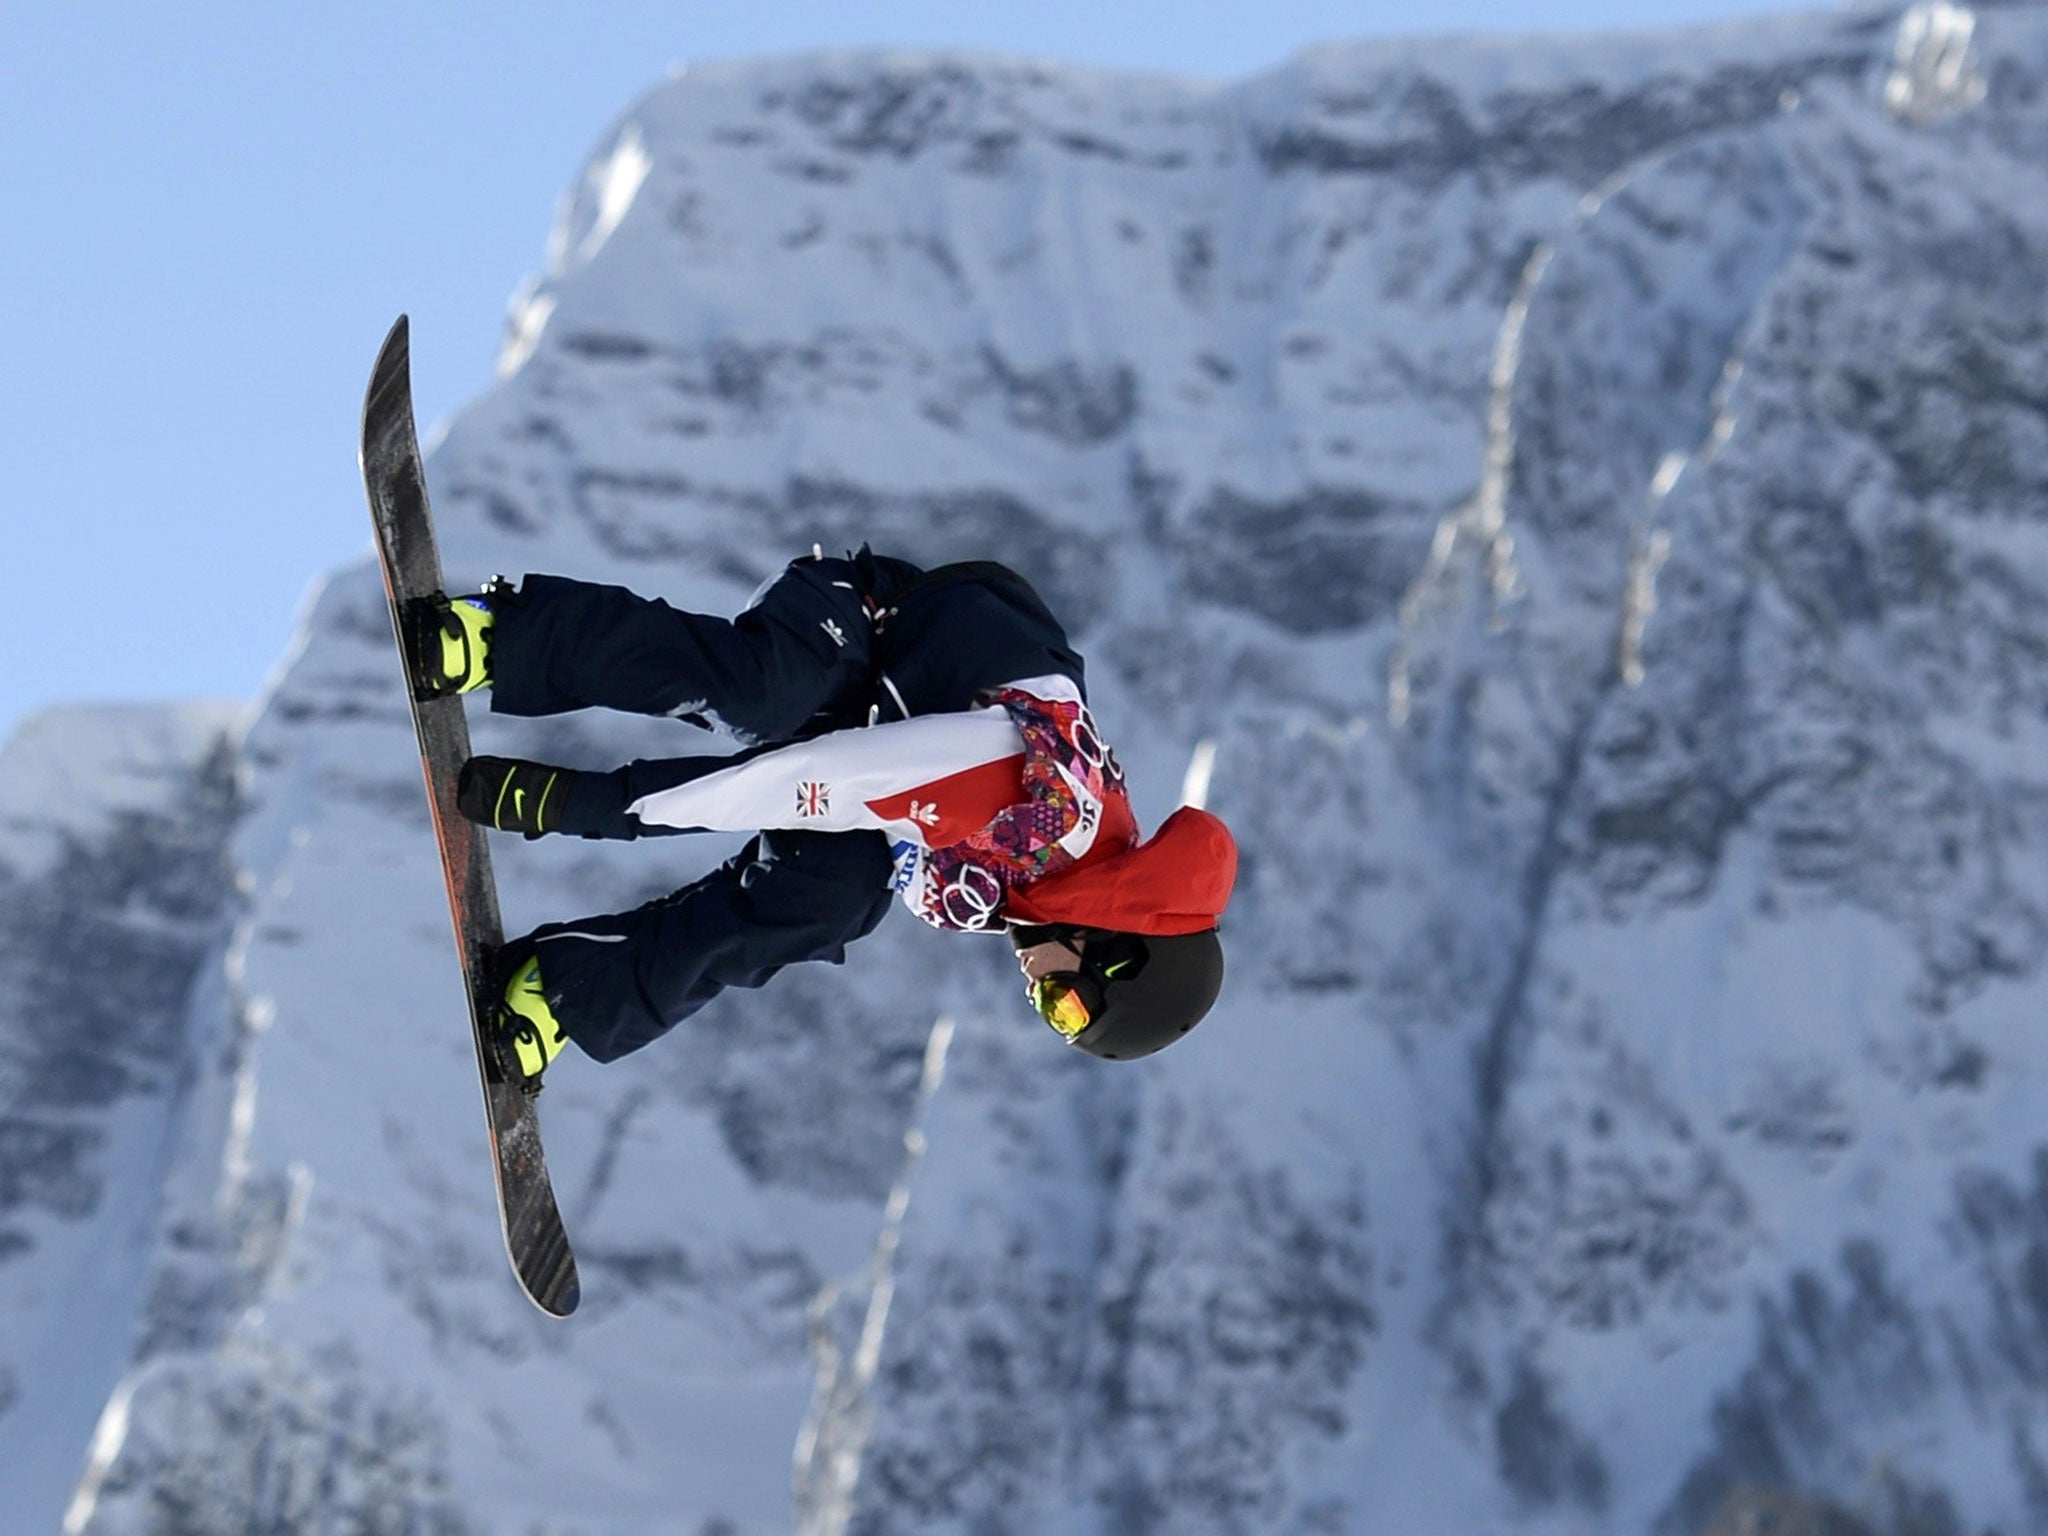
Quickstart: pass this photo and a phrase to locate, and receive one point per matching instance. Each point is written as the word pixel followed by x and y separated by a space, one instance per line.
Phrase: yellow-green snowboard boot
pixel 448 643
pixel 526 1036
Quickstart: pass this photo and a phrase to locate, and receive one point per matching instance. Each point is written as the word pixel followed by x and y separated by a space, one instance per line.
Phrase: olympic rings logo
pixel 973 898
pixel 1093 750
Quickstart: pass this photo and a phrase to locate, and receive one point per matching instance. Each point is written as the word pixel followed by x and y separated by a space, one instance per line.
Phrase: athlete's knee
pixel 809 636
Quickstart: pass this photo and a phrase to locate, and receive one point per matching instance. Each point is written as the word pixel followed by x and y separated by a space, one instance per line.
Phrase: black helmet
pixel 1153 988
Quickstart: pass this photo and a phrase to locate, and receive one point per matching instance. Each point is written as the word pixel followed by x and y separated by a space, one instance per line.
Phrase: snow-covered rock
pixel 116 892
pixel 1586 495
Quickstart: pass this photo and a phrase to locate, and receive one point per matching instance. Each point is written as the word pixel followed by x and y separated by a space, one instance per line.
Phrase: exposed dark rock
pixel 99 958
pixel 1543 1460
pixel 1326 560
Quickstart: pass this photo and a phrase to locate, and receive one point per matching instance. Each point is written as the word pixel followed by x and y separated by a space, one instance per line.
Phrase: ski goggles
pixel 1070 1001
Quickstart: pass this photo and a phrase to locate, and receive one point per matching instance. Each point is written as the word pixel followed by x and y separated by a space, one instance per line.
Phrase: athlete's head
pixel 1117 995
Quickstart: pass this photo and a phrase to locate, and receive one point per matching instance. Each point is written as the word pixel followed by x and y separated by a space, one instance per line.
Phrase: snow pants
pixel 795 664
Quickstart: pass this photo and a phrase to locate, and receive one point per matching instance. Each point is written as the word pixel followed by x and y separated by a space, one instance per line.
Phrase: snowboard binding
pixel 520 1026
pixel 448 640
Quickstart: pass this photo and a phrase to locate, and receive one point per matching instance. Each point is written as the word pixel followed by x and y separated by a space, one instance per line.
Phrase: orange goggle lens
pixel 1060 1003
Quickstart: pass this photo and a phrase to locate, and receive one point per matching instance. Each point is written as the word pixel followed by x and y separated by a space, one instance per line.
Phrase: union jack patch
pixel 813 798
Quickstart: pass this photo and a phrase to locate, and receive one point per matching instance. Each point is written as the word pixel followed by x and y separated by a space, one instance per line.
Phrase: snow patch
pixel 107 1440
pixel 1934 67
pixel 1482 521
pixel 617 181
pixel 524 325
pixel 833 1443
pixel 1639 601
pixel 1194 786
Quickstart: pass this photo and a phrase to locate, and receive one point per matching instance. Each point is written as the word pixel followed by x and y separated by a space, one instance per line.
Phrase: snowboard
pixel 396 482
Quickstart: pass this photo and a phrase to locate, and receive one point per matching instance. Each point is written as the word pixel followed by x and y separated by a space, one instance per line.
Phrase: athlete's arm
pixel 882 777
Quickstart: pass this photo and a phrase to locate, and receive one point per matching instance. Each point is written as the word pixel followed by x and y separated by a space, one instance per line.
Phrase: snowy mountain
pixel 1582 497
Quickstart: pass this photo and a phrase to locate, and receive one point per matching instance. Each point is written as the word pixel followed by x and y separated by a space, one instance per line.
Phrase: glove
pixel 512 795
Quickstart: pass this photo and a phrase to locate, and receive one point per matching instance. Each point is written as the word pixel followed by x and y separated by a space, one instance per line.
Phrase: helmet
pixel 1154 988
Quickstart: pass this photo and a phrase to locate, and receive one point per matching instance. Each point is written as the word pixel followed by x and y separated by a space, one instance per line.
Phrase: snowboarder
pixel 904 731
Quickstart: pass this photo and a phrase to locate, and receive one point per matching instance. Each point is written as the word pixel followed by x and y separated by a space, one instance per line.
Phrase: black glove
pixel 512 795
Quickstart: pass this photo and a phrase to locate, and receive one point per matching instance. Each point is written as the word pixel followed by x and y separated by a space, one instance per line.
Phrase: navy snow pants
pixel 795 664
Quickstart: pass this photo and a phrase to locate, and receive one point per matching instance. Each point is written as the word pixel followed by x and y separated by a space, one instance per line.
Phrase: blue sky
pixel 213 211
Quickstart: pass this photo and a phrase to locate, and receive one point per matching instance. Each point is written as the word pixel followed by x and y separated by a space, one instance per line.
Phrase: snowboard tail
pixel 396 482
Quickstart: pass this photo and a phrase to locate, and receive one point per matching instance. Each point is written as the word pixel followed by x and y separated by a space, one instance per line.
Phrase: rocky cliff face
pixel 1586 496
